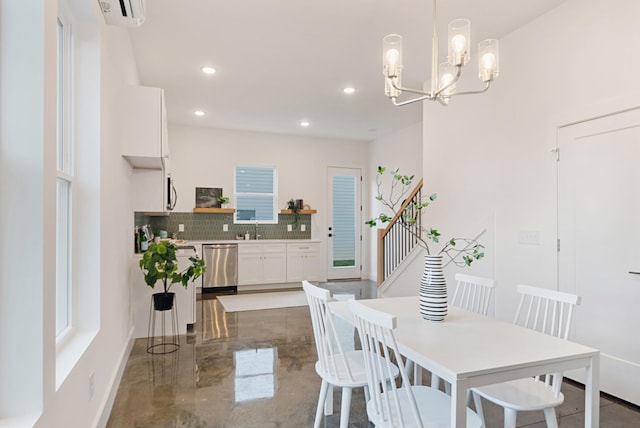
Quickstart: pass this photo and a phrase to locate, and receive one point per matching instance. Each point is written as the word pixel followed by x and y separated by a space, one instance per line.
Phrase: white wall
pixel 489 156
pixel 206 157
pixel 401 149
pixel 27 166
pixel 29 394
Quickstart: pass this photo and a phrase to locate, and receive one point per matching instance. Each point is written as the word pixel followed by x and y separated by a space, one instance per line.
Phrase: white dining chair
pixel 391 406
pixel 549 312
pixel 473 293
pixel 336 366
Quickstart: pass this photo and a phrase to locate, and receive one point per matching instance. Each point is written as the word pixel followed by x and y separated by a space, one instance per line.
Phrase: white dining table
pixel 470 350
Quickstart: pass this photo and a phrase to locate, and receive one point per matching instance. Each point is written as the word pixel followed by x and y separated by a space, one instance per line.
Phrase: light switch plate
pixel 303 227
pixel 289 228
pixel 181 227
pixel 529 237
pixel 225 227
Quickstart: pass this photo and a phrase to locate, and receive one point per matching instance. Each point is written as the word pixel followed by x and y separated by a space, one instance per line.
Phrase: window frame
pixel 273 195
pixel 64 173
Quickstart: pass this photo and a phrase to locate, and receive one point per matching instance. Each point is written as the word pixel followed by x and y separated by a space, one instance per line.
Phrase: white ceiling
pixel 281 61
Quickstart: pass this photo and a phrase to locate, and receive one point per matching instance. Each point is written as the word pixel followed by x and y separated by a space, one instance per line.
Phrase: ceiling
pixel 280 62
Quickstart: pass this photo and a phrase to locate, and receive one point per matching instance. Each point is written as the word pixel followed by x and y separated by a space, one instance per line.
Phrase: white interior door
pixel 599 232
pixel 345 223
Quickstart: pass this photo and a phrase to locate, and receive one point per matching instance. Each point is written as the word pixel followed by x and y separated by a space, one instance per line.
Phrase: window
pixel 64 185
pixel 256 196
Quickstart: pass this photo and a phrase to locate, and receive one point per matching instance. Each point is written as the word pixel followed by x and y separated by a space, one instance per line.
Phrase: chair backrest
pixel 380 349
pixel 473 293
pixel 330 351
pixel 549 312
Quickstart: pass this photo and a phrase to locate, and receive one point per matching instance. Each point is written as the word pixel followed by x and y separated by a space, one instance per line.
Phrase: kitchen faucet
pixel 256 231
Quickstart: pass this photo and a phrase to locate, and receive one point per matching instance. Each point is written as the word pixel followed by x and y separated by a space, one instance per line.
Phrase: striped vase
pixel 433 290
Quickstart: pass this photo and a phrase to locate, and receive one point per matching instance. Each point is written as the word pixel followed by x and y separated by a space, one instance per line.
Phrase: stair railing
pixel 400 237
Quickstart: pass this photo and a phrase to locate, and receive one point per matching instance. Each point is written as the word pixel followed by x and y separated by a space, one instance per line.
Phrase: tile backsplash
pixel 207 226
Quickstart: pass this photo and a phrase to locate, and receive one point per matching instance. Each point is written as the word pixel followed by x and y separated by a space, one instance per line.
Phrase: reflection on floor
pixel 256 369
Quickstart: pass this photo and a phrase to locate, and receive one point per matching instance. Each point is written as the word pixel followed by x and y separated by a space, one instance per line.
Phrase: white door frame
pixel 344 272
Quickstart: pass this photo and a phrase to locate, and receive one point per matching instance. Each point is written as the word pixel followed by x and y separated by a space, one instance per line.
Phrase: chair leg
pixel 550 417
pixel 345 407
pixel 477 402
pixel 321 399
pixel 510 416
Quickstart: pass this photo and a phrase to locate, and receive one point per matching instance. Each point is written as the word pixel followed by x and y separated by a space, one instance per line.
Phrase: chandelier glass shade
pixel 444 76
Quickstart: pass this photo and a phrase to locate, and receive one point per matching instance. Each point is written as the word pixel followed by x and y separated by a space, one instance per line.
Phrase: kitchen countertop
pixel 198 244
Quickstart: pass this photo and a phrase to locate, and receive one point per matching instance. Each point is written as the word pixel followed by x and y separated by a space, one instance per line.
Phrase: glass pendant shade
pixel 459 41
pixel 392 55
pixel 446 75
pixel 488 60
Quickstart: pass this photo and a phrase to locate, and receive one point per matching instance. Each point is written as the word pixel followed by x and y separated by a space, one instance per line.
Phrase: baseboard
pixel 269 287
pixel 103 416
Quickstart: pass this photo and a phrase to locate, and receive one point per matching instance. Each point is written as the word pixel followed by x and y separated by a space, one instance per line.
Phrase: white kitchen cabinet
pixel 185 299
pixel 303 262
pixel 262 263
pixel 144 139
pixel 150 190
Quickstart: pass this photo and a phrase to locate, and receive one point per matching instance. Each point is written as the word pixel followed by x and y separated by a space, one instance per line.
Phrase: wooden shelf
pixel 299 212
pixel 215 210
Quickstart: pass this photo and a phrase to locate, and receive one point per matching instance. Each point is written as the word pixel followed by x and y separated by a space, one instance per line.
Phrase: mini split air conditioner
pixel 123 13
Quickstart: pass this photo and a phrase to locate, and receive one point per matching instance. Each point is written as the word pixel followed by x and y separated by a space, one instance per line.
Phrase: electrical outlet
pixel 92 384
pixel 181 227
pixel 225 227
pixel 303 227
pixel 529 237
pixel 289 228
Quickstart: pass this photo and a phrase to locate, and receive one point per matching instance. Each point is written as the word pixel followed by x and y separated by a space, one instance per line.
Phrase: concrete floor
pixel 256 369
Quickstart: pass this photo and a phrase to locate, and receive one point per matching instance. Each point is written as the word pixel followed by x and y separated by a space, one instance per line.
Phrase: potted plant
pixel 295 209
pixel 222 200
pixel 433 300
pixel 159 263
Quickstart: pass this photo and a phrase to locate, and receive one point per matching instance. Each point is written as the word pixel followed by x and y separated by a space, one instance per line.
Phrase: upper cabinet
pixel 144 142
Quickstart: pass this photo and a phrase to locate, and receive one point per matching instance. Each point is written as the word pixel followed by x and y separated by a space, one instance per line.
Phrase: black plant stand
pixel 166 341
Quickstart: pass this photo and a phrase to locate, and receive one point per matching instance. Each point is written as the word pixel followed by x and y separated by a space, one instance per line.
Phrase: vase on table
pixel 433 290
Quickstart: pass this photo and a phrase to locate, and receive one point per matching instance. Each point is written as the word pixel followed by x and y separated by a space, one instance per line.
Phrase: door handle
pixel 330 235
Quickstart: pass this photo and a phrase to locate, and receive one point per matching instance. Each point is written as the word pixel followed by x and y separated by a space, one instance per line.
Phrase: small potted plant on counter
pixel 222 200
pixel 159 263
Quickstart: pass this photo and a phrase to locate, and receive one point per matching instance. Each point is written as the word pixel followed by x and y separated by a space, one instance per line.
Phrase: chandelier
pixel 444 76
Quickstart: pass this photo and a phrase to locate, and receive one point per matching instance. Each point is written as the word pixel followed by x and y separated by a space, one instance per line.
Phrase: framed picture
pixel 207 197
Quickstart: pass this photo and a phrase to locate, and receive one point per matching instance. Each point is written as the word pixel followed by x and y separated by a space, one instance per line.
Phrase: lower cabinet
pixel 262 264
pixel 303 262
pixel 270 263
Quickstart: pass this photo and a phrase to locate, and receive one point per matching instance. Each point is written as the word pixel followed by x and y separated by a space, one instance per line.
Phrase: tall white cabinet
pixel 145 146
pixel 144 139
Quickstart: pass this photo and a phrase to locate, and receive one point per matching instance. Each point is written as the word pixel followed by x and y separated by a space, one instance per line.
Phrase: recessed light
pixel 349 90
pixel 304 123
pixel 199 113
pixel 208 70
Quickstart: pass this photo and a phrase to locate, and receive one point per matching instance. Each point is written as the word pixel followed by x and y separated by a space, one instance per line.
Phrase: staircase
pixel 400 237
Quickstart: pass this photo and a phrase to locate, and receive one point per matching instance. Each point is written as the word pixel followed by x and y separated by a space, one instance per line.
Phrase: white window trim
pixel 274 194
pixel 67 171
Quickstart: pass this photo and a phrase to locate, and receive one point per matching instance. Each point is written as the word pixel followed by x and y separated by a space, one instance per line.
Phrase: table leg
pixel 592 394
pixel 459 403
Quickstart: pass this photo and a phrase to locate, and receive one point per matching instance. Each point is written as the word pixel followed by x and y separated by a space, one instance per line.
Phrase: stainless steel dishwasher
pixel 221 261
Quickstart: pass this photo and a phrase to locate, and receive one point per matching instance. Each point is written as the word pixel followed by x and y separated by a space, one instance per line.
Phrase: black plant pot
pixel 163 301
